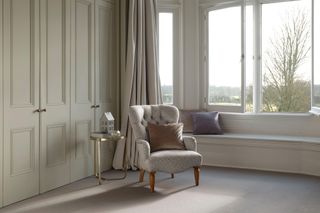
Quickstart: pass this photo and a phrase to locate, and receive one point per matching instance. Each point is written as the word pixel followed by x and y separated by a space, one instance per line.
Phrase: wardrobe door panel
pixel 82 87
pixel 105 81
pixel 21 90
pixel 83 48
pixel 54 21
pixel 22 70
pixel 55 97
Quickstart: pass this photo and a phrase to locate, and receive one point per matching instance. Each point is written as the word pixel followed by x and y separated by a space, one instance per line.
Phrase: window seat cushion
pixel 256 137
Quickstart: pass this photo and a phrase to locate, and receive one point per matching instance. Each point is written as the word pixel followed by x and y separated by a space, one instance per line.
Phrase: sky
pixel 166 48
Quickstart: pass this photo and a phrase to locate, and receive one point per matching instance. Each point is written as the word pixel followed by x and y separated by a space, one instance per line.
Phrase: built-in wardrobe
pixel 58 75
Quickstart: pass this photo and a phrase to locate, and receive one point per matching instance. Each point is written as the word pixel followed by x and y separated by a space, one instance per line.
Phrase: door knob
pixel 37 110
pixel 97 106
pixel 43 110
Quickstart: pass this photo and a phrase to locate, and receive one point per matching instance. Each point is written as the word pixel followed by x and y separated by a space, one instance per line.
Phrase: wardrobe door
pixel 21 99
pixel 82 87
pixel 55 94
pixel 1 105
pixel 105 76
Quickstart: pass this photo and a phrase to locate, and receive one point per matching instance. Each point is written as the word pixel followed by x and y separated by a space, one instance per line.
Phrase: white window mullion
pixel 315 103
pixel 312 58
pixel 205 44
pixel 243 56
pixel 257 75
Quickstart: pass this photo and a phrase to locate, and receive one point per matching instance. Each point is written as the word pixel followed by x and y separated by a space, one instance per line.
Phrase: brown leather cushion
pixel 165 137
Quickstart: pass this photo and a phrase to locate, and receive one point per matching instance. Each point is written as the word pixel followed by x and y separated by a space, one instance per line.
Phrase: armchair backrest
pixel 140 115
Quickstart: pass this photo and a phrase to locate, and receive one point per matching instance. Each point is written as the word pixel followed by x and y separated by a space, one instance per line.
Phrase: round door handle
pixel 93 106
pixel 97 106
pixel 37 110
pixel 43 110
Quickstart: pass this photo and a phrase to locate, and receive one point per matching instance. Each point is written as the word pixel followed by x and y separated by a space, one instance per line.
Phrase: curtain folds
pixel 140 82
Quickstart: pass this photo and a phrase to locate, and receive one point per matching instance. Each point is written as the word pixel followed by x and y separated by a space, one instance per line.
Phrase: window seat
pixel 257 137
pixel 285 153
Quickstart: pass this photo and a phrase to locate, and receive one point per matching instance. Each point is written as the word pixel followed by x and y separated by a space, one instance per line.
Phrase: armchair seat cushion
pixel 172 161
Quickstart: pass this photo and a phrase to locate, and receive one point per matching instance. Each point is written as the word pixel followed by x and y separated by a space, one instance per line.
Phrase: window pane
pixel 225 56
pixel 286 56
pixel 166 56
pixel 316 89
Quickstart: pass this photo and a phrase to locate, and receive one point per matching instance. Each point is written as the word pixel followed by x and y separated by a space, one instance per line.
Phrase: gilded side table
pixel 97 138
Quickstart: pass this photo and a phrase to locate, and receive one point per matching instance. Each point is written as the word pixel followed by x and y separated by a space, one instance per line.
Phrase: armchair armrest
pixel 143 148
pixel 190 143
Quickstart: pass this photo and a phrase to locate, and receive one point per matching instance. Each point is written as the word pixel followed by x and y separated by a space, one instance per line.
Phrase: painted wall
pixel 191 54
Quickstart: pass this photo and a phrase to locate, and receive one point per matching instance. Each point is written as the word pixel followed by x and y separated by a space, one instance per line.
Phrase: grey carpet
pixel 221 190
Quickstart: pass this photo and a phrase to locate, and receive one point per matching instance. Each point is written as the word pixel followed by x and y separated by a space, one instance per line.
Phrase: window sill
pixel 270 114
pixel 315 111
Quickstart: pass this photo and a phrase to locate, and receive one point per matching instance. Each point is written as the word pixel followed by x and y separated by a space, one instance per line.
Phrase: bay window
pixel 261 55
pixel 224 56
pixel 286 56
pixel 169 49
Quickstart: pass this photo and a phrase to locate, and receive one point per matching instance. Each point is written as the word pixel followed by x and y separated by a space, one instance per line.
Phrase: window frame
pixel 177 78
pixel 257 59
pixel 204 53
pixel 314 109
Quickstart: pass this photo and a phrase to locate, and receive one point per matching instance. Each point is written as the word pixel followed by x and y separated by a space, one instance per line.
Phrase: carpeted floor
pixel 221 190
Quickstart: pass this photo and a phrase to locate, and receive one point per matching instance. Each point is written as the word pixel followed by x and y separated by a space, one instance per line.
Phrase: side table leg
pixel 95 157
pixel 99 161
pixel 125 163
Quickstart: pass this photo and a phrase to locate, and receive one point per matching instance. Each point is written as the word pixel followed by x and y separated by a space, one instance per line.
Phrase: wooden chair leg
pixel 141 175
pixel 196 175
pixel 152 180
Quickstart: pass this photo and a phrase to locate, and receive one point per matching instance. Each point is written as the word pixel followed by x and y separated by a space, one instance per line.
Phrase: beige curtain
pixel 140 81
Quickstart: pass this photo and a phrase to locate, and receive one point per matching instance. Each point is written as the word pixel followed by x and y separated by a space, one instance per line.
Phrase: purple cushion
pixel 185 117
pixel 206 123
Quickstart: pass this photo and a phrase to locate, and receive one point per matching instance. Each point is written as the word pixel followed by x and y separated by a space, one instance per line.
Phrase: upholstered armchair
pixel 170 161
